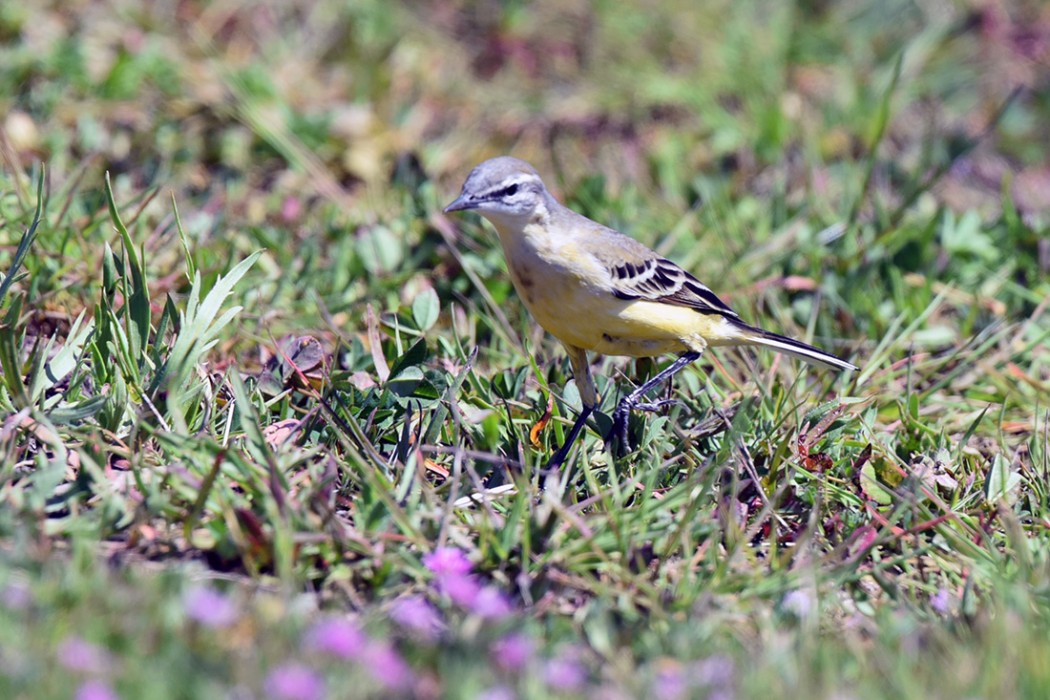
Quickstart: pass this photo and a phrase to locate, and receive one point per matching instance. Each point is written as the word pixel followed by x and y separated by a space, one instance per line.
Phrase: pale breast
pixel 560 286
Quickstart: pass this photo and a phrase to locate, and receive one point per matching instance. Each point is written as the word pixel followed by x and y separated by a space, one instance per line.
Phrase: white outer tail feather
pixel 795 348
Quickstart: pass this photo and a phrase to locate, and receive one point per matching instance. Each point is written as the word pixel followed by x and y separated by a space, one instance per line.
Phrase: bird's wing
pixel 636 272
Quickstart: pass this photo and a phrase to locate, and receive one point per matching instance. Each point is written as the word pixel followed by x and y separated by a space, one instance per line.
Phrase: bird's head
pixel 504 190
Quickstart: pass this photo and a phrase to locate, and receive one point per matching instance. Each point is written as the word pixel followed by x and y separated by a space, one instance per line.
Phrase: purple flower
pixel 338 637
pixel 291 208
pixel 78 655
pixel 387 667
pixel 490 603
pixel 798 602
pixel 564 673
pixel 95 690
pixel 941 602
pixel 462 589
pixel 17 595
pixel 714 672
pixel 670 682
pixel 612 692
pixel 513 652
pixel 416 614
pixel 499 692
pixel 468 593
pixel 209 607
pixel 294 681
pixel 445 561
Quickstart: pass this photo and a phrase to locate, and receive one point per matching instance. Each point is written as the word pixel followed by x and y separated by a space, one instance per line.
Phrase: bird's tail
pixel 795 348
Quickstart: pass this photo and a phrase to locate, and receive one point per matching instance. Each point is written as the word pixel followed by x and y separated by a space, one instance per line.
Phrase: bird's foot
pixel 619 437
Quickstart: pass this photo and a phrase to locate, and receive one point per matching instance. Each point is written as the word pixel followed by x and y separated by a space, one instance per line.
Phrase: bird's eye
pixel 510 191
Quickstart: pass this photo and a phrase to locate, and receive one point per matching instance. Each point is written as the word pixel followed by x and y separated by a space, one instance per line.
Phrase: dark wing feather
pixel 637 272
pixel 659 279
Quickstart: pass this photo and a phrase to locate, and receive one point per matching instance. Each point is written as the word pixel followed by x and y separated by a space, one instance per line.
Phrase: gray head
pixel 503 189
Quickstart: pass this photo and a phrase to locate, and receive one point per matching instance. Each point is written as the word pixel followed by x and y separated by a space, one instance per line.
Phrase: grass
pixel 272 425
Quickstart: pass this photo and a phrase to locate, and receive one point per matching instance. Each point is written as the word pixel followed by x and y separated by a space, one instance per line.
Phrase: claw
pixel 654 406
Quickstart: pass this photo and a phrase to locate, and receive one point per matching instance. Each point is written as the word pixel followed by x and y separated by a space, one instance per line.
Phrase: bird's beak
pixel 461 203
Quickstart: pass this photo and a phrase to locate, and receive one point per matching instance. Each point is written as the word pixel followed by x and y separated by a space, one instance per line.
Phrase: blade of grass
pixel 26 241
pixel 137 312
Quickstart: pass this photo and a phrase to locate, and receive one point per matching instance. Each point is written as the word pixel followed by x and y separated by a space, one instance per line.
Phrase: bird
pixel 601 291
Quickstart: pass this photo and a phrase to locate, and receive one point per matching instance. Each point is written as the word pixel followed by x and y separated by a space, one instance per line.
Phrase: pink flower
pixel 445 561
pixel 798 602
pixel 462 589
pixel 95 690
pixel 467 592
pixel 564 673
pixel 416 614
pixel 17 595
pixel 491 604
pixel 78 655
pixel 385 665
pixel 291 208
pixel 499 692
pixel 294 681
pixel 209 607
pixel 670 682
pixel 514 652
pixel 714 672
pixel 941 602
pixel 337 637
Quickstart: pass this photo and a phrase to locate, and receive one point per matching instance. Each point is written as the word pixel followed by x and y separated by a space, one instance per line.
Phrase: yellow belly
pixel 567 292
pixel 593 319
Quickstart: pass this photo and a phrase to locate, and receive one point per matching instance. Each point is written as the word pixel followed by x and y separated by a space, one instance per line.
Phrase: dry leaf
pixel 376 346
pixel 276 434
pixel 541 424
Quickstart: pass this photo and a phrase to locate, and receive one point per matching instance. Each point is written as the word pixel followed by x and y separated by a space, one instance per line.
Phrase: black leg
pixel 562 454
pixel 618 435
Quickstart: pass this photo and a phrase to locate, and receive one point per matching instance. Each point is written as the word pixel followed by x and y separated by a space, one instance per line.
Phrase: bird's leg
pixel 581 374
pixel 563 453
pixel 618 434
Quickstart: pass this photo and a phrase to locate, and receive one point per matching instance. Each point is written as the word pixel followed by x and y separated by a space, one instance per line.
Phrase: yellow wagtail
pixel 596 289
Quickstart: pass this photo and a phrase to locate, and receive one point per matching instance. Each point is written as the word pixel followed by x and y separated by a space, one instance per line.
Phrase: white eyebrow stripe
pixel 509 182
